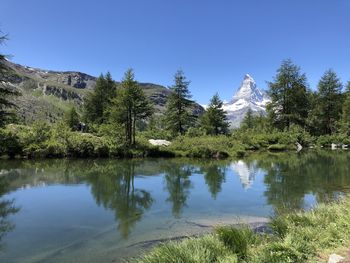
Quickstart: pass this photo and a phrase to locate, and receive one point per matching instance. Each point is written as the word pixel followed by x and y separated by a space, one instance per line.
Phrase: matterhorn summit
pixel 247 96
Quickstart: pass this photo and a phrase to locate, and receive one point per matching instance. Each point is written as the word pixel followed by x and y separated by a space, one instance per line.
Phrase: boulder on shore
pixel 159 142
pixel 334 258
pixel 299 147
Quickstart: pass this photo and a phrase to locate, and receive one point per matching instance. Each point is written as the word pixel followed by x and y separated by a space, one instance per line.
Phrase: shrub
pixel 203 249
pixel 237 239
pixel 86 145
pixel 279 226
pixel 277 147
pixel 205 146
pixel 10 143
pixel 277 252
pixel 55 149
pixel 327 140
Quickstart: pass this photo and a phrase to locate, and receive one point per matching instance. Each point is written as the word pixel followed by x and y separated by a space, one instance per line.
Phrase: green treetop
pixel 289 97
pixel 97 102
pixel 248 121
pixel 177 116
pixel 72 119
pixel 328 102
pixel 129 106
pixel 214 120
pixel 6 116
pixel 345 117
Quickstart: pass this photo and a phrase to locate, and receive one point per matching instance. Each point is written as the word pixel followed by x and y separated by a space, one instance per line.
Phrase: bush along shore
pixel 42 140
pixel 309 236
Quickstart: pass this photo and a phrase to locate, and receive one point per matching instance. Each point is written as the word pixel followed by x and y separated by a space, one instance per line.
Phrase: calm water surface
pixel 106 210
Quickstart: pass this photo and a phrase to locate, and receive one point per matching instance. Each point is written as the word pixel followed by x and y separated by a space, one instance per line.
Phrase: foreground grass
pixel 298 237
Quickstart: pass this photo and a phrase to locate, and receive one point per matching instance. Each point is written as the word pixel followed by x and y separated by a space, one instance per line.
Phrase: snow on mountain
pixel 247 96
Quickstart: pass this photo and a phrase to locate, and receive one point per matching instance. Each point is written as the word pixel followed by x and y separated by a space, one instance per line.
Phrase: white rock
pixel 344 146
pixel 299 147
pixel 334 146
pixel 159 142
pixel 334 258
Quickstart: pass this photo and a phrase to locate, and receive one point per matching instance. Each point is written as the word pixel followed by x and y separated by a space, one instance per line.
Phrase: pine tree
pixel 97 102
pixel 129 106
pixel 6 116
pixel 214 120
pixel 72 119
pixel 345 117
pixel 328 102
pixel 289 97
pixel 177 116
pixel 248 121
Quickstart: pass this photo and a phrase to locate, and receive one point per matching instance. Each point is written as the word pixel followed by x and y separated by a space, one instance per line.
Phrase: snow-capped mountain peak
pixel 247 96
pixel 248 91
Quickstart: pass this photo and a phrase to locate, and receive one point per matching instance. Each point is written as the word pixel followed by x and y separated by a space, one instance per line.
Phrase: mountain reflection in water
pixel 150 195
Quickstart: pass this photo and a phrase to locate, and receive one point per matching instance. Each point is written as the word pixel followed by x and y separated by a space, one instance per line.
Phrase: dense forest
pixel 117 119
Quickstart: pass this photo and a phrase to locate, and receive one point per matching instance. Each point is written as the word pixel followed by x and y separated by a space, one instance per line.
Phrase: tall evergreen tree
pixel 248 121
pixel 6 92
pixel 177 116
pixel 214 120
pixel 345 117
pixel 289 97
pixel 328 102
pixel 97 102
pixel 72 119
pixel 129 106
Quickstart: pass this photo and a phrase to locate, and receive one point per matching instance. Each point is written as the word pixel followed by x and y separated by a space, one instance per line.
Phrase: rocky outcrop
pixel 62 93
pixel 46 93
pixel 76 79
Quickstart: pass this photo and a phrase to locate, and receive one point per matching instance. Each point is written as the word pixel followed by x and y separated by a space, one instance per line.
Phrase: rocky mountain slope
pixel 247 96
pixel 47 94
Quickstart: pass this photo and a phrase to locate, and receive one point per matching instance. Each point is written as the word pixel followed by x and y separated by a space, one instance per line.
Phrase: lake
pixel 107 210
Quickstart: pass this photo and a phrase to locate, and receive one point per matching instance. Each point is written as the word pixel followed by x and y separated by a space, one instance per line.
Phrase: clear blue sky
pixel 214 42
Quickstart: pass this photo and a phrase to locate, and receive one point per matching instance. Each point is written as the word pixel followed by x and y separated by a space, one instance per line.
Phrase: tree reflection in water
pixel 6 209
pixel 113 187
pixel 214 176
pixel 177 184
pixel 287 179
pixel 290 177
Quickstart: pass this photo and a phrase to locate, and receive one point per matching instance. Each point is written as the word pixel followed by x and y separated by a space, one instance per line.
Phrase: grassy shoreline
pixel 308 236
pixel 43 141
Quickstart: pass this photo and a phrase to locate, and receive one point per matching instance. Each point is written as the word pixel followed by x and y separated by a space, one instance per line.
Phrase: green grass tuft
pixel 237 239
pixel 297 237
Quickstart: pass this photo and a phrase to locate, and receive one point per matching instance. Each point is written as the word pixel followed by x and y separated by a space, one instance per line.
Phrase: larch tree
pixel 248 120
pixel 72 119
pixel 214 120
pixel 329 102
pixel 289 97
pixel 178 117
pixel 6 115
pixel 129 106
pixel 345 117
pixel 97 102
